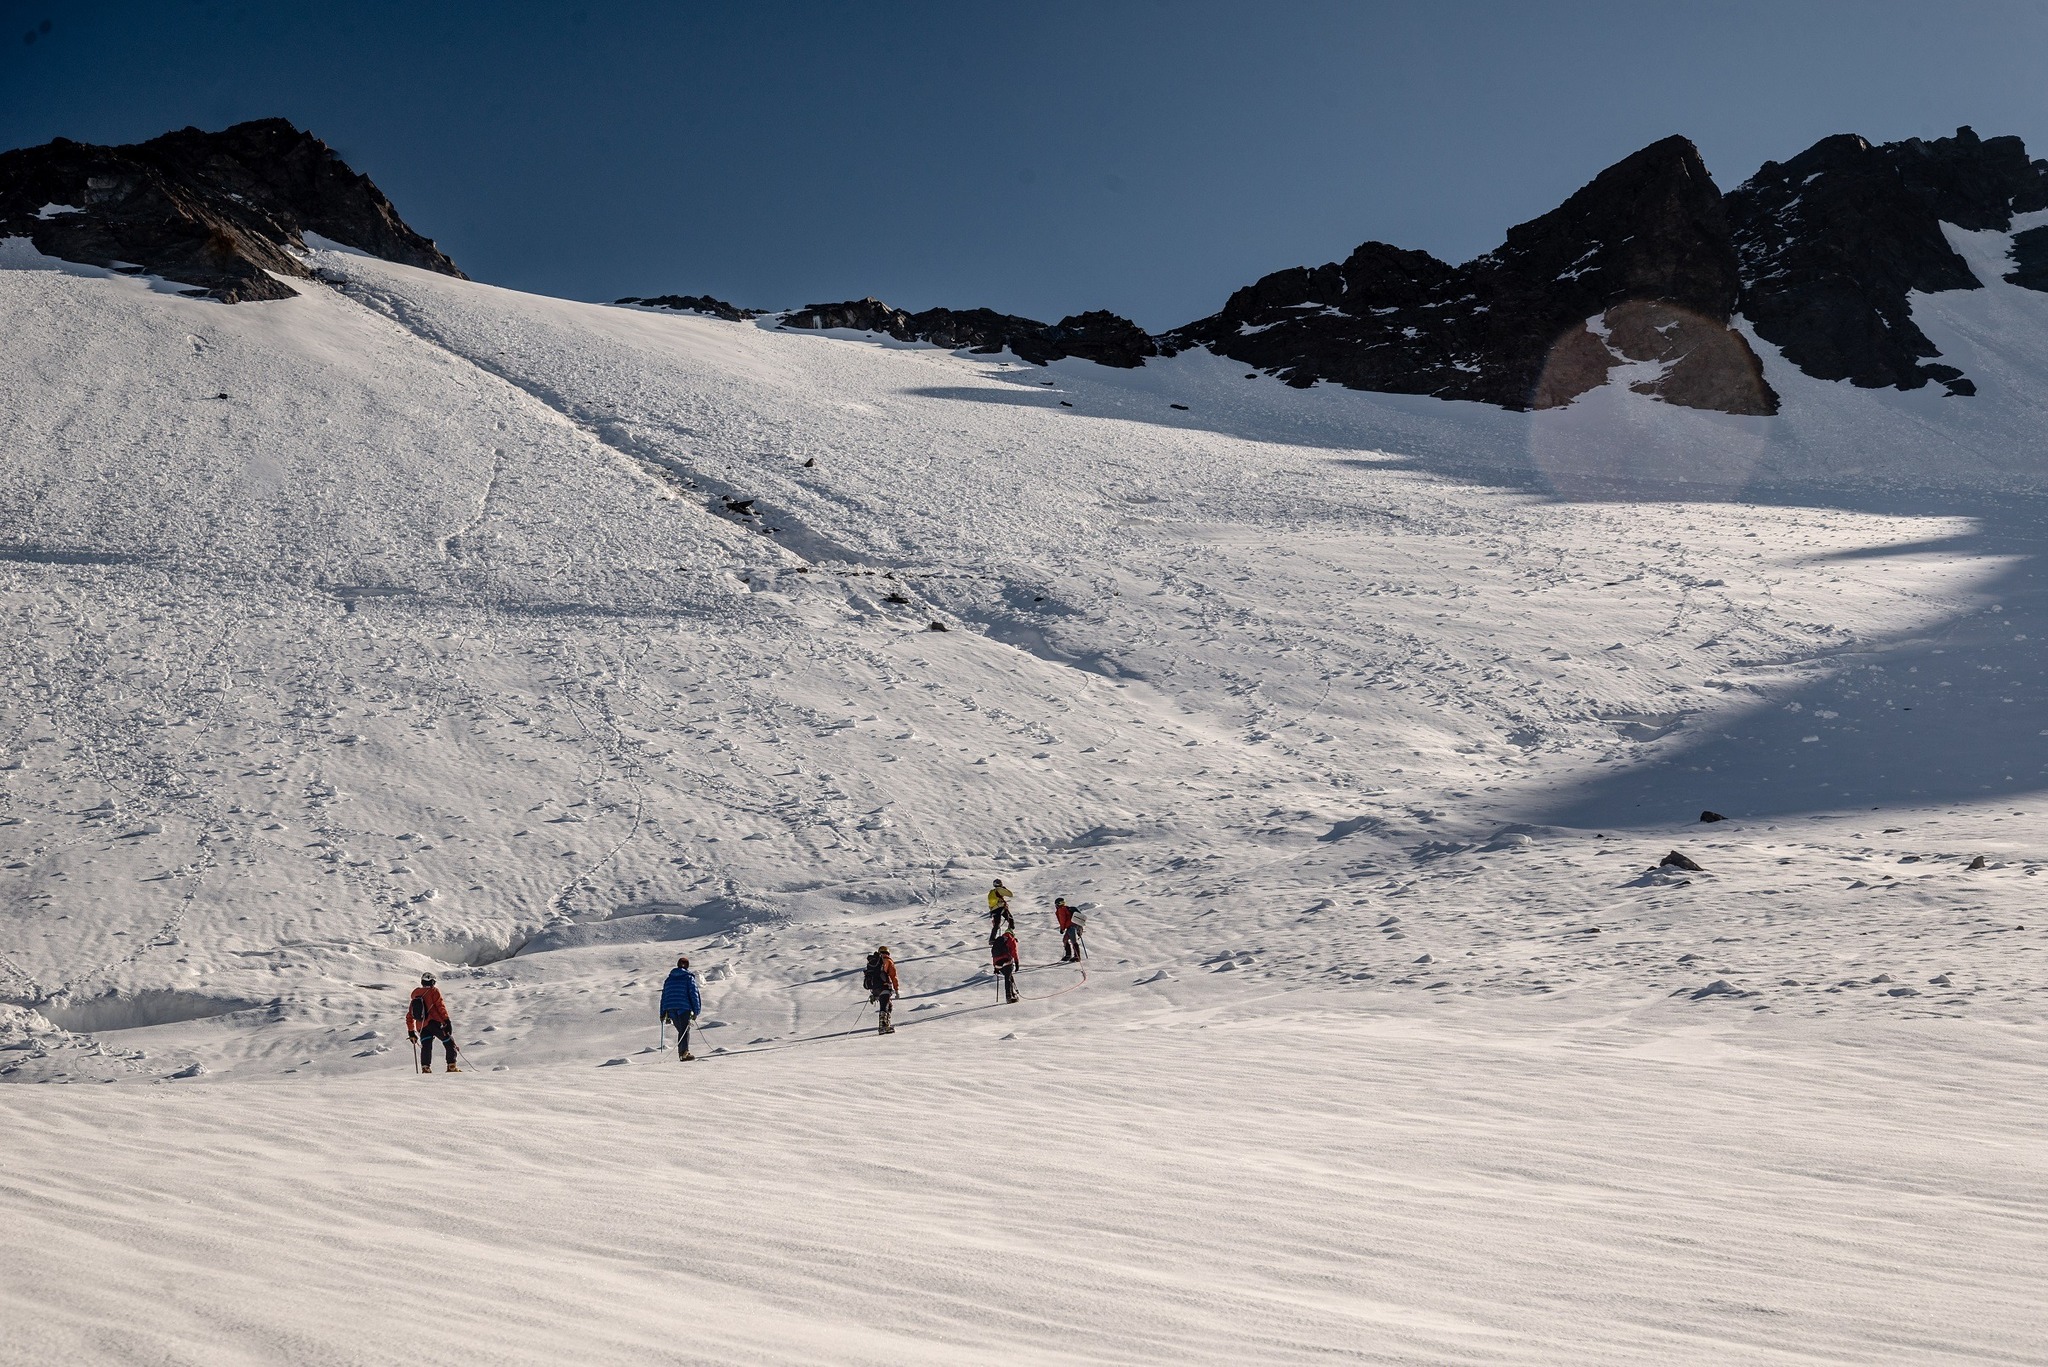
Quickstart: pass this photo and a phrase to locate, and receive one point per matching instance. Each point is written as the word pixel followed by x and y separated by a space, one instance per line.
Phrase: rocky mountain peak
pixel 1833 241
pixel 1648 227
pixel 223 212
pixel 1516 327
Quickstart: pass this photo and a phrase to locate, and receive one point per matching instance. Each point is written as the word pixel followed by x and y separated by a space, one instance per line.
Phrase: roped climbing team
pixel 682 996
pixel 882 985
pixel 878 977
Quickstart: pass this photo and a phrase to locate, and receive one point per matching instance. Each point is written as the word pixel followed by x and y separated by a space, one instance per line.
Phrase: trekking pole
pixel 660 1033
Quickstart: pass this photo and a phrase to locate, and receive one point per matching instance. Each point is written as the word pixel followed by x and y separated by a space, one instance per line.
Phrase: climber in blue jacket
pixel 681 1000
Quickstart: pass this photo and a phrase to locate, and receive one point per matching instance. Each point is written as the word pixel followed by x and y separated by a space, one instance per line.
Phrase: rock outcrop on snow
pixel 2030 259
pixel 695 303
pixel 1638 277
pixel 1833 241
pixel 1636 267
pixel 1096 336
pixel 222 212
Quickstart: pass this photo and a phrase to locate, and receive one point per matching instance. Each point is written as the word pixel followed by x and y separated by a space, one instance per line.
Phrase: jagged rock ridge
pixel 1096 336
pixel 223 212
pixel 1644 267
pixel 696 303
pixel 1649 263
pixel 1635 267
pixel 1833 240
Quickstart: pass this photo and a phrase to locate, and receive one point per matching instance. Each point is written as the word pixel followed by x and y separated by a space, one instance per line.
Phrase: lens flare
pixel 1650 400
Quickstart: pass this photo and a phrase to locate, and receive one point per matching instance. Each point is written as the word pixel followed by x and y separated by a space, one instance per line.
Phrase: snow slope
pixel 405 626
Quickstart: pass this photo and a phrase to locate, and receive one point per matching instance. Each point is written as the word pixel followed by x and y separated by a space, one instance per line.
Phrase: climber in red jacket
pixel 426 1020
pixel 1002 950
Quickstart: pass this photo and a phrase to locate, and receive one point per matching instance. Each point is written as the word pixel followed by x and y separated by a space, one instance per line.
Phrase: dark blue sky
pixel 1040 159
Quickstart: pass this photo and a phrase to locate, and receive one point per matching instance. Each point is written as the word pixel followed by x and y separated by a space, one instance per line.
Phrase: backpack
pixel 419 1008
pixel 876 978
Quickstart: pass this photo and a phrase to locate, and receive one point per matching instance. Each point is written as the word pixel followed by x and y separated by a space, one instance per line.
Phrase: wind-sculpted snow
pixel 1163 1175
pixel 537 643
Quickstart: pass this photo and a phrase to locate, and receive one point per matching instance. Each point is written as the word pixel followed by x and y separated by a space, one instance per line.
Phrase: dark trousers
pixel 1009 975
pixel 430 1032
pixel 885 1002
pixel 1070 941
pixel 682 1024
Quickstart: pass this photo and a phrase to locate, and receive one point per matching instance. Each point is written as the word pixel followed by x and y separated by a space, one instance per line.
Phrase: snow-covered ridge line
pixel 232 214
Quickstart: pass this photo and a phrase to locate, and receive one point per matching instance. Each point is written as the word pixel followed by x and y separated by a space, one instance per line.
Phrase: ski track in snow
pixel 1357 724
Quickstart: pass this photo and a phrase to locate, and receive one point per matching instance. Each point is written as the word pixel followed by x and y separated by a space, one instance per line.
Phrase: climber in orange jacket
pixel 426 1020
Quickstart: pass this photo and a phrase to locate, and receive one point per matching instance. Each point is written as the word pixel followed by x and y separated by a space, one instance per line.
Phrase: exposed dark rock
pixel 744 507
pixel 1712 816
pixel 857 315
pixel 1833 240
pixel 223 212
pixel 1642 267
pixel 1977 863
pixel 696 303
pixel 1097 336
pixel 936 626
pixel 1642 252
pixel 1676 860
pixel 1647 264
pixel 2030 259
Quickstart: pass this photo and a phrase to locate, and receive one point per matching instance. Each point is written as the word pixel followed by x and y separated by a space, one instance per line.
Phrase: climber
pixel 999 917
pixel 1070 931
pixel 426 1020
pixel 879 979
pixel 681 1000
pixel 1003 952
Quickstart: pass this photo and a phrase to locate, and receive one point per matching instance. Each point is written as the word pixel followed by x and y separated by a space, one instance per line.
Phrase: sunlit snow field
pixel 404 626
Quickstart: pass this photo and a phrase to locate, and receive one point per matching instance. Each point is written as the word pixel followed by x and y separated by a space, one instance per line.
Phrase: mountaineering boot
pixel 451 1068
pixel 686 1058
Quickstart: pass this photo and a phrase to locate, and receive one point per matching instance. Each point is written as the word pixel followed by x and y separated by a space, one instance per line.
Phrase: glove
pixel 411 1038
pixel 693 1015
